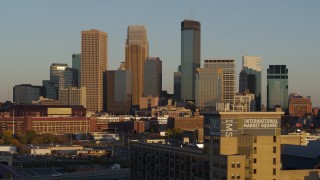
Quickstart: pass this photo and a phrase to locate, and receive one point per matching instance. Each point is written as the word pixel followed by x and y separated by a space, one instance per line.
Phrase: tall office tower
pixel 51 87
pixel 209 85
pixel 136 53
pixel 190 57
pixel 152 77
pixel 177 85
pixel 76 64
pixel 229 76
pixel 26 93
pixel 72 96
pixel 118 91
pixel 55 70
pixel 250 78
pixel 68 78
pixel 243 145
pixel 94 59
pixel 277 87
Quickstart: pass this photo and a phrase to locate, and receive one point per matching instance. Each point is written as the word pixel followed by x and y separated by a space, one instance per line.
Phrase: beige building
pixel 136 53
pixel 243 145
pixel 209 86
pixel 243 102
pixel 94 59
pixel 73 96
pixel 229 76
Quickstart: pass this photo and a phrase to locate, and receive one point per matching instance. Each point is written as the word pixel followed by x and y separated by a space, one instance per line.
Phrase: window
pixel 255 160
pixel 254 139
pixel 232 176
pixel 238 164
pixel 233 165
pixel 274 161
pixel 254 150
pixel 274 138
pixel 238 176
pixel 274 171
pixel 254 171
pixel 274 149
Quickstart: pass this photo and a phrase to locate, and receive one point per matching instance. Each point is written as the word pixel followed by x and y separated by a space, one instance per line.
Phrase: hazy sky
pixel 34 34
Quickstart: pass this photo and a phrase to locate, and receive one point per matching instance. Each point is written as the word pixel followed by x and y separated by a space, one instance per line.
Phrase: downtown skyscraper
pixel 136 53
pixel 229 77
pixel 277 87
pixel 152 77
pixel 94 59
pixel 250 78
pixel 190 57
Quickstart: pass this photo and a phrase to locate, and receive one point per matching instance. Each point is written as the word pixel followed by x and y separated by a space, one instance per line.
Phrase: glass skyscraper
pixel 250 78
pixel 190 57
pixel 277 87
pixel 152 77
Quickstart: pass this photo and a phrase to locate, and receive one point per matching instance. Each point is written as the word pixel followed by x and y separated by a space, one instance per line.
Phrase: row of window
pixel 274 171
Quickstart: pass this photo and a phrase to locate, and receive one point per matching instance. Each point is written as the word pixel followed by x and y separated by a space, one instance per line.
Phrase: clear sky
pixel 36 33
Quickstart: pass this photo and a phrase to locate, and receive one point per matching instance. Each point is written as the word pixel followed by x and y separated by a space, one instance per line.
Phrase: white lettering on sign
pixel 260 123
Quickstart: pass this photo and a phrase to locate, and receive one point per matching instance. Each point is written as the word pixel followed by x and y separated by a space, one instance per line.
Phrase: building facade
pixel 118 95
pixel 243 145
pixel 177 84
pixel 76 64
pixel 73 96
pixel 300 106
pixel 209 86
pixel 277 87
pixel 152 77
pixel 190 57
pixel 136 53
pixel 250 78
pixel 26 93
pixel 155 161
pixel 94 59
pixel 229 79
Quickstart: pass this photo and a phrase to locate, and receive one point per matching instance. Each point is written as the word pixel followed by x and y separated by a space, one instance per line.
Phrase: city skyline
pixel 280 32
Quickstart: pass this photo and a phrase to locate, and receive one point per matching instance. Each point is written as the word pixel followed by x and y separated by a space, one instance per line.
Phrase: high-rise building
pixel 209 85
pixel 177 85
pixel 152 77
pixel 72 96
pixel 26 93
pixel 76 64
pixel 244 102
pixel 229 79
pixel 190 57
pixel 277 87
pixel 55 70
pixel 250 78
pixel 118 91
pixel 243 145
pixel 68 78
pixel 94 59
pixel 136 53
pixel 300 106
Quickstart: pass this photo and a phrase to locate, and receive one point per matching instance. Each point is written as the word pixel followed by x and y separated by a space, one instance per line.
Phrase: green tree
pixel 31 135
pixel 22 138
pixel 174 133
pixel 6 135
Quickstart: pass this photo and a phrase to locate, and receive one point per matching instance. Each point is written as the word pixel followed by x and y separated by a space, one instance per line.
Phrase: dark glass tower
pixel 277 87
pixel 250 78
pixel 152 77
pixel 190 57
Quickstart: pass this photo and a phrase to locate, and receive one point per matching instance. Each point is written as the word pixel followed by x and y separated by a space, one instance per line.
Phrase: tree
pixel 30 136
pixel 22 138
pixel 6 135
pixel 174 133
